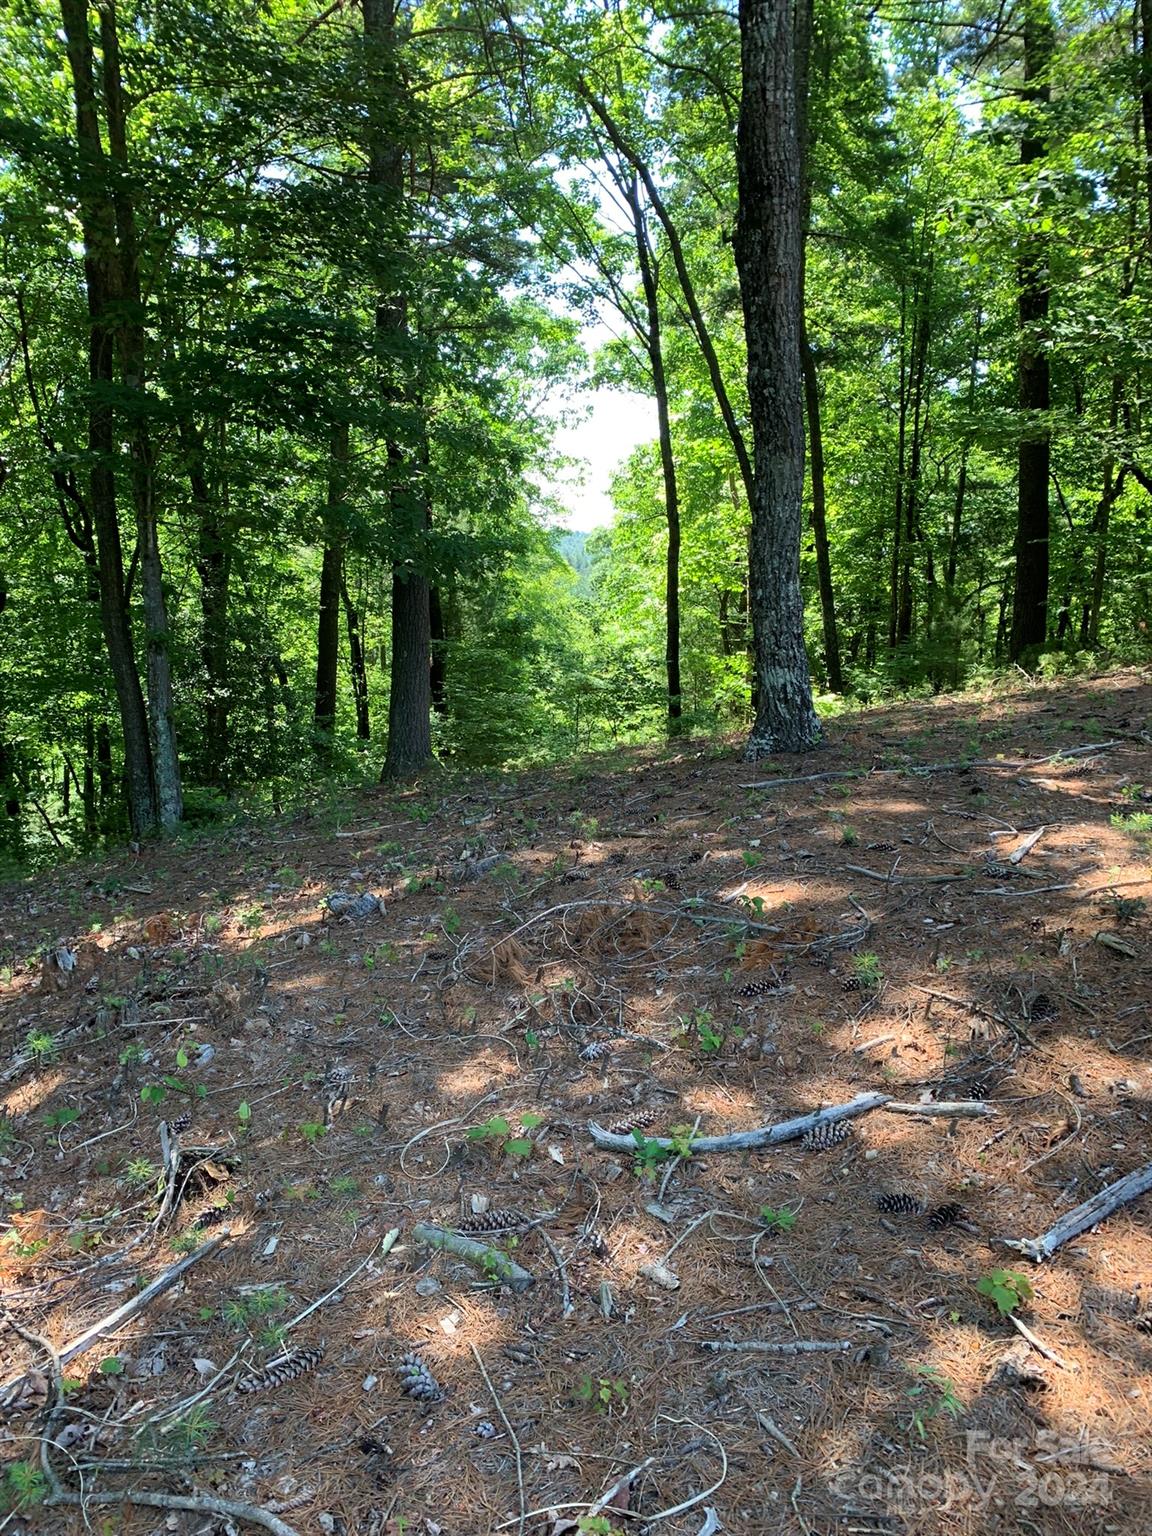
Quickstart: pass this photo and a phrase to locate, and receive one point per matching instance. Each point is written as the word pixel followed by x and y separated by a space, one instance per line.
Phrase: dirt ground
pixel 233 1074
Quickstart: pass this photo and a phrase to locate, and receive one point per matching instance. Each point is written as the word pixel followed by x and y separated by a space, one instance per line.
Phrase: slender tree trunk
pixel 769 257
pixel 331 581
pixel 357 664
pixel 655 347
pixel 898 521
pixel 1145 66
pixel 161 708
pixel 1031 551
pixel 819 519
pixel 962 476
pixel 439 635
pixel 820 516
pixel 214 567
pixel 1113 485
pixel 101 278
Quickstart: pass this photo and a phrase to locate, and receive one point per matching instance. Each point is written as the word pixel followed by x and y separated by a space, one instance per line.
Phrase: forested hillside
pixel 291 299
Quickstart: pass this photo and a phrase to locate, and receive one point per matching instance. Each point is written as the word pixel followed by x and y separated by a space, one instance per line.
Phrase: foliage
pixel 1006 1289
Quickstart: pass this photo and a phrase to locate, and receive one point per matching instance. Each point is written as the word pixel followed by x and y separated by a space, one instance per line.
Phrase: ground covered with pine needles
pixel 292 1054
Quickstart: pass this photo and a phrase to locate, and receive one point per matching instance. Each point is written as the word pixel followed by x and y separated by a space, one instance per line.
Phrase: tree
pixel 769 257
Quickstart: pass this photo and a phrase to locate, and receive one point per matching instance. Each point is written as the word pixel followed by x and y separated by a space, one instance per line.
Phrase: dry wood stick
pixel 764 1136
pixel 1085 1215
pixel 948 1109
pixel 493 1262
pixel 1038 1344
pixel 788 1347
pixel 915 768
pixel 163 1282
pixel 202 1504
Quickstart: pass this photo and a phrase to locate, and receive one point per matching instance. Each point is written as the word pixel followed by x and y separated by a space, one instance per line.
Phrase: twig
pixel 977 1008
pixel 675 1163
pixel 788 1347
pixel 1085 1215
pixel 201 1504
pixel 494 1262
pixel 621 1482
pixel 764 1136
pixel 566 1308
pixel 163 1282
pixel 385 1248
pixel 495 1396
pixel 770 1427
pixel 1038 1344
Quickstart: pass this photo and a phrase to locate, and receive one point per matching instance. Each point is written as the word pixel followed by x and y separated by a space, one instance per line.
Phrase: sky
pixel 615 422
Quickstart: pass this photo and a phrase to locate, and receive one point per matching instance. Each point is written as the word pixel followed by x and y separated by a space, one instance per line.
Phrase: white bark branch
pixel 1085 1215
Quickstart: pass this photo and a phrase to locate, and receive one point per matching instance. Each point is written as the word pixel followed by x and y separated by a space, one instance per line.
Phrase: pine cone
pixel 946 1215
pixel 417 1381
pixel 1041 1008
pixel 830 1133
pixel 287 1369
pixel 498 1219
pixel 764 986
pixel 1145 1323
pixel 596 1051
pixel 598 1245
pixel 212 1217
pixel 899 1205
pixel 640 1121
pixel 881 847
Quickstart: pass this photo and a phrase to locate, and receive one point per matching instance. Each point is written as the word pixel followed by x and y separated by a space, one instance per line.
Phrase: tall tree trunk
pixel 214 567
pixel 1110 492
pixel 1145 67
pixel 356 663
pixel 131 335
pixel 410 686
pixel 769 256
pixel 962 475
pixel 1031 550
pixel 331 581
pixel 655 346
pixel 101 280
pixel 819 519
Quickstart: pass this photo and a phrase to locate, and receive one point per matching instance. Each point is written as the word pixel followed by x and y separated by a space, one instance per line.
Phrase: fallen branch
pixel 163 1282
pixel 894 879
pixel 788 1347
pixel 764 1136
pixel 200 1504
pixel 926 768
pixel 1026 846
pixel 770 1427
pixel 493 1262
pixel 947 1109
pixel 1087 1214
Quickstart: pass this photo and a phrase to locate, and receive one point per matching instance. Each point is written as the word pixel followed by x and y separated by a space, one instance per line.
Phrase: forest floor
pixel 232 1074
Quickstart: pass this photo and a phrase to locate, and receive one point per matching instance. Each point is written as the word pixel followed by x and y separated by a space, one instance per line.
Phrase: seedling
pixel 312 1130
pixel 933 1395
pixel 1007 1289
pixel 57 1119
pixel 495 1132
pixel 140 1173
pixel 244 1115
pixel 1126 909
pixel 867 972
pixel 649 1155
pixel 849 837
pixel 751 858
pixel 603 1393
pixel 777 1220
pixel 251 1306
pixel 23 1486
pixel 40 1046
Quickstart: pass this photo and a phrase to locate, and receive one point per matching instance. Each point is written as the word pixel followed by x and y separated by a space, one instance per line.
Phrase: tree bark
pixel 769 256
pixel 1031 549
pixel 655 346
pixel 101 280
pixel 439 635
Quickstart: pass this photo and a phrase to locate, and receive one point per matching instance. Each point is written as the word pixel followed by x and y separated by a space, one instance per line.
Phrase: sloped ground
pixel 330 1068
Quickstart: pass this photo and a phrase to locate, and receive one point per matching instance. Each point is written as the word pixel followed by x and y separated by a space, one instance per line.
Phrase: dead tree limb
pixel 202 1504
pixel 946 1109
pixel 787 1347
pixel 763 1136
pixel 928 768
pixel 492 1262
pixel 1087 1214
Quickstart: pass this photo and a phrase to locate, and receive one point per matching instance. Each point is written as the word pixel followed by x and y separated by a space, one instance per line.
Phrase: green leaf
pixel 112 1366
pixel 518 1147
pixel 530 1122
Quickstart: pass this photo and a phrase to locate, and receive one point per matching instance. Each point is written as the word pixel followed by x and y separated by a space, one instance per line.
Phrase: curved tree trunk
pixel 769 255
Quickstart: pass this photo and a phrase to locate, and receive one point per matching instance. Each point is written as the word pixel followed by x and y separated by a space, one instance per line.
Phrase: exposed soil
pixel 331 1068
